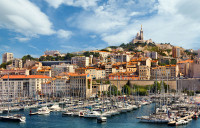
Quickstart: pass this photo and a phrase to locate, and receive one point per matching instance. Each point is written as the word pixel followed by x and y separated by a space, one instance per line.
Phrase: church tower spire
pixel 141 33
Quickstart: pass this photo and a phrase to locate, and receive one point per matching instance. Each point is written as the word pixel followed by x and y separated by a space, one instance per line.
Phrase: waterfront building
pixel 162 72
pixel 195 69
pixel 123 76
pixel 80 85
pixel 184 67
pixel 21 86
pixel 60 86
pixel 6 57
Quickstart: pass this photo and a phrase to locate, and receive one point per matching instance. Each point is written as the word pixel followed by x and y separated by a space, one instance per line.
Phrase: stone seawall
pixel 121 83
pixel 188 84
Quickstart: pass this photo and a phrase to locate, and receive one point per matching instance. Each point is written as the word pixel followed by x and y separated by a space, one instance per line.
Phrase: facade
pixel 184 67
pixel 94 73
pixel 61 86
pixel 57 69
pixel 144 72
pixel 15 71
pixel 164 72
pixel 80 86
pixel 80 61
pixel 108 69
pixel 123 76
pixel 176 52
pixel 153 55
pixel 195 69
pixel 17 63
pixel 21 86
pixel 6 57
pixel 121 58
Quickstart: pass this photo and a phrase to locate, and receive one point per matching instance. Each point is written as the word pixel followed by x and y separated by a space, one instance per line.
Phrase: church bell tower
pixel 141 33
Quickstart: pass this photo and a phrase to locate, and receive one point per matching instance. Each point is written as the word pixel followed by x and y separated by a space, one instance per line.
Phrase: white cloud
pixel 116 21
pixel 24 17
pixel 93 36
pixel 64 34
pixel 22 39
pixel 76 3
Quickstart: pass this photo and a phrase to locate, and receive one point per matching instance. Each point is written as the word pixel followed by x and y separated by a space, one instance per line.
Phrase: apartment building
pixel 21 86
pixel 80 61
pixel 6 57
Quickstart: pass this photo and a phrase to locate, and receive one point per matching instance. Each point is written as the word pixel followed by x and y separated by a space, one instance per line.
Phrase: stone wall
pixel 188 84
pixel 121 83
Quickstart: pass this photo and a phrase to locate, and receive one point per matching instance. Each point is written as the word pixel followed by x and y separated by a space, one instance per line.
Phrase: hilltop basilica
pixel 139 38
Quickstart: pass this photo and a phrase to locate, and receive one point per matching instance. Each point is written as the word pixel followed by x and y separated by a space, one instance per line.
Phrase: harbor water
pixel 124 120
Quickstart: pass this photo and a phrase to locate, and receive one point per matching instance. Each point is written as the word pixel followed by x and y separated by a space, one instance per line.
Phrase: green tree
pixel 126 89
pixel 113 90
pixel 68 56
pixel 3 65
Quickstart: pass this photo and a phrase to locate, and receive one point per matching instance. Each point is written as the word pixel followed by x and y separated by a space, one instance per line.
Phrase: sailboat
pixel 12 118
pixel 44 110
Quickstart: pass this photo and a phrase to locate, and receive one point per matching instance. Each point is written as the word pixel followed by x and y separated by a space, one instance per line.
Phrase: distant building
pixel 139 38
pixel 195 69
pixel 144 72
pixel 123 76
pixel 94 73
pixel 52 53
pixel 162 72
pixel 176 52
pixel 66 68
pixel 184 67
pixel 17 63
pixel 6 57
pixel 15 71
pixel 80 61
pixel 153 55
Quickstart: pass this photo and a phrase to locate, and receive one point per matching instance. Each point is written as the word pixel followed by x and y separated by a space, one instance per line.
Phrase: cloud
pixel 76 3
pixel 118 21
pixel 22 39
pixel 24 17
pixel 64 34
pixel 93 36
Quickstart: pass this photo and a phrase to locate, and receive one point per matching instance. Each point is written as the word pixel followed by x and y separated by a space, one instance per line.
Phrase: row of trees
pixel 136 89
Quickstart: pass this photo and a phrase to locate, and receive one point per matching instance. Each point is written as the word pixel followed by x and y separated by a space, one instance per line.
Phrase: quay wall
pixel 188 84
pixel 121 83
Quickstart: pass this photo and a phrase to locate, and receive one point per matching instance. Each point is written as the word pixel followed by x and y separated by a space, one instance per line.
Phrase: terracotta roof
pixel 26 77
pixel 186 61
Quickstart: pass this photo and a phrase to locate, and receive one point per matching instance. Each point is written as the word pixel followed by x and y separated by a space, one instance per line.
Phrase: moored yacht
pixel 92 114
pixel 14 118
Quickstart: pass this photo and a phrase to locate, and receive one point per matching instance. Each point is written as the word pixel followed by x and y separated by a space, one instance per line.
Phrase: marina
pixel 97 114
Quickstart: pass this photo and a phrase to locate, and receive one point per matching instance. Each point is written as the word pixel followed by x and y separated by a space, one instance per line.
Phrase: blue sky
pixel 33 26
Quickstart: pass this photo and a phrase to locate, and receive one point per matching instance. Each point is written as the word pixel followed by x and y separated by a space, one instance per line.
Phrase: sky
pixel 34 26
